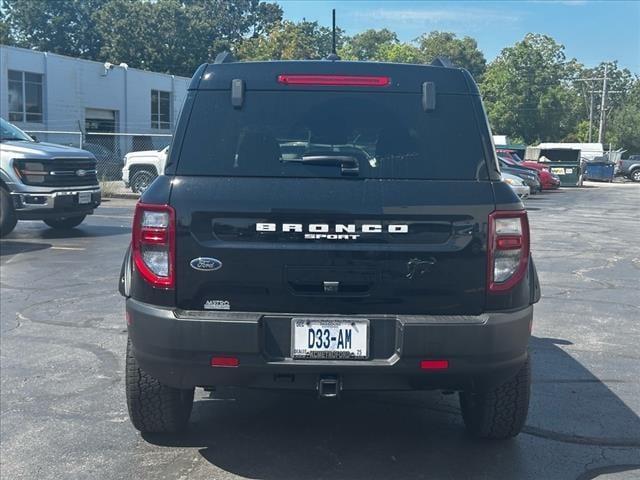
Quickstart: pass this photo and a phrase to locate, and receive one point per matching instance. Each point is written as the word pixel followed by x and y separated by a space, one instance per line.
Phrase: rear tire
pixel 154 407
pixel 635 175
pixel 8 218
pixel 65 223
pixel 141 180
pixel 500 413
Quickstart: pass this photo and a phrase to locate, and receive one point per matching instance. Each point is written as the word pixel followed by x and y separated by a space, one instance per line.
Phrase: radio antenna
pixel 333 31
pixel 334 54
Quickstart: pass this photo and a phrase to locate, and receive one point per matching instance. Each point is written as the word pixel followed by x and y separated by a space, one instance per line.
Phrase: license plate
pixel 319 338
pixel 84 197
pixel 557 170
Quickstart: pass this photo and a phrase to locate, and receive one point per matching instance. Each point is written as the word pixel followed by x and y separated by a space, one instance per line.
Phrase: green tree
pixel 380 45
pixel 65 27
pixel 580 133
pixel 399 53
pixel 367 45
pixel 5 29
pixel 619 82
pixel 529 93
pixel 176 36
pixel 290 41
pixel 623 130
pixel 463 52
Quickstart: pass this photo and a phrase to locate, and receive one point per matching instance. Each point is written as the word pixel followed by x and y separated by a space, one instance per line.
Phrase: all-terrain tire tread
pixel 154 407
pixel 499 413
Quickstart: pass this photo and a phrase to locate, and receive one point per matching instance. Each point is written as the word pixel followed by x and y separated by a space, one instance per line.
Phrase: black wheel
pixel 635 175
pixel 154 407
pixel 64 223
pixel 141 180
pixel 8 218
pixel 500 413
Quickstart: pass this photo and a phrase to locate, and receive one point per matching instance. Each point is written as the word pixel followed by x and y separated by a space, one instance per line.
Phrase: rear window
pixel 311 133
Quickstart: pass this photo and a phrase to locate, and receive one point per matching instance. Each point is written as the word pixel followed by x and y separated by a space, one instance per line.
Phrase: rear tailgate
pixel 352 193
pixel 416 248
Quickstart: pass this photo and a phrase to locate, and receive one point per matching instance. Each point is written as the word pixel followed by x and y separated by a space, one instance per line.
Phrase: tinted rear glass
pixel 388 134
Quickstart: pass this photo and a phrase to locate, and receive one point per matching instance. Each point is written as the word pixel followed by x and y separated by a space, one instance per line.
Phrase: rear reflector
pixel 224 362
pixel 434 364
pixel 335 80
pixel 508 243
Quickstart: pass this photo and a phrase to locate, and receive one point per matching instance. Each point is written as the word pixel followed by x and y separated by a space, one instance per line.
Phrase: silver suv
pixel 44 181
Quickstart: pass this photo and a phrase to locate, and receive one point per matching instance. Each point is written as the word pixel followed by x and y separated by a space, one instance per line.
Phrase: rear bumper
pixel 550 185
pixel 176 347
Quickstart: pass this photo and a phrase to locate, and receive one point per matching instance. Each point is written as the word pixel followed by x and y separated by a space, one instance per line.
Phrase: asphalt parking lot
pixel 63 412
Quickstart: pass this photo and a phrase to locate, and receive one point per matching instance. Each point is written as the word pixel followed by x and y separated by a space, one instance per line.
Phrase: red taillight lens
pixel 153 244
pixel 335 80
pixel 508 249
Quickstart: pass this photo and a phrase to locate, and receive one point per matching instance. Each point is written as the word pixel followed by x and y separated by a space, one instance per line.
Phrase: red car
pixel 548 180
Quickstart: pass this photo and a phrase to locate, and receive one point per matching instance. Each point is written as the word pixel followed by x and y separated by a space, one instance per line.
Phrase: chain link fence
pixel 108 148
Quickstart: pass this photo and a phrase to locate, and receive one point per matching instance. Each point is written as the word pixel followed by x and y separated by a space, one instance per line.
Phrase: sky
pixel 591 31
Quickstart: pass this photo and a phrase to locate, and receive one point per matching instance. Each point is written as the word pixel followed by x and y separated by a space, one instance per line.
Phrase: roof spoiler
pixel 441 61
pixel 224 57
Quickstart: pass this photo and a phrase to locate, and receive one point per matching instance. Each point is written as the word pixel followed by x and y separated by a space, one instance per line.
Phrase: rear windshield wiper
pixel 348 165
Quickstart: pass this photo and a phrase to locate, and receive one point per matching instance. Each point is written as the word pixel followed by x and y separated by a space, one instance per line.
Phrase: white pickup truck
pixel 141 168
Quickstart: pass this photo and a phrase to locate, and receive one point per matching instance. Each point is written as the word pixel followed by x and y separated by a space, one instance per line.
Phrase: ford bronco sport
pixel 315 230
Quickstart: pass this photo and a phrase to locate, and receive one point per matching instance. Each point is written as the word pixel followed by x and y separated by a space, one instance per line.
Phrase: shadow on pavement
pixel 272 435
pixel 13 248
pixel 83 231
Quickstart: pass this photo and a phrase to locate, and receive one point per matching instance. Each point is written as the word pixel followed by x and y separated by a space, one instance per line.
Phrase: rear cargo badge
pixel 217 305
pixel 206 264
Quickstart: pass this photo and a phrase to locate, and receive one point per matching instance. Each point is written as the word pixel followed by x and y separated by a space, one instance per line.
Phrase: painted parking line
pixel 112 216
pixel 68 248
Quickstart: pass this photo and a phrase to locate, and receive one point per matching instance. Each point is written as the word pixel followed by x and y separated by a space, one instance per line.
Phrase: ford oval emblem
pixel 81 172
pixel 206 264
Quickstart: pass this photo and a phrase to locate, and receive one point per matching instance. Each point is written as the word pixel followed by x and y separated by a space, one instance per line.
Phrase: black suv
pixel 315 229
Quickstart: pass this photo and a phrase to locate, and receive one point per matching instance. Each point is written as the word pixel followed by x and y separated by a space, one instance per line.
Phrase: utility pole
pixel 603 104
pixel 591 117
pixel 591 92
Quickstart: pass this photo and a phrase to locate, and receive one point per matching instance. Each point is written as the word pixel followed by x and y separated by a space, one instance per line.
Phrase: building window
pixel 160 109
pixel 25 97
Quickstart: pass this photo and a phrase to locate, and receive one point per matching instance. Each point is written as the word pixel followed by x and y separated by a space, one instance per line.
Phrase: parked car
pixel 44 181
pixel 108 163
pixel 141 168
pixel 516 184
pixel 630 168
pixel 530 176
pixel 548 180
pixel 371 257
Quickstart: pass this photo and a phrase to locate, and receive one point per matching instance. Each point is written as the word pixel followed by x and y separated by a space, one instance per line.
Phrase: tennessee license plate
pixel 328 339
pixel 84 197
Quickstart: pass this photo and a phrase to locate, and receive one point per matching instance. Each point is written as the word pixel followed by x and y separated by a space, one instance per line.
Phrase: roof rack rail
pixel 440 61
pixel 224 57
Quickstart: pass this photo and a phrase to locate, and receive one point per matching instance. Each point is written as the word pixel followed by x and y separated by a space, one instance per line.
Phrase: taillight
pixel 508 252
pixel 153 244
pixel 335 80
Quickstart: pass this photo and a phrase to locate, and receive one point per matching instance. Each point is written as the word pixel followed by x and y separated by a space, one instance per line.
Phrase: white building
pixel 46 92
